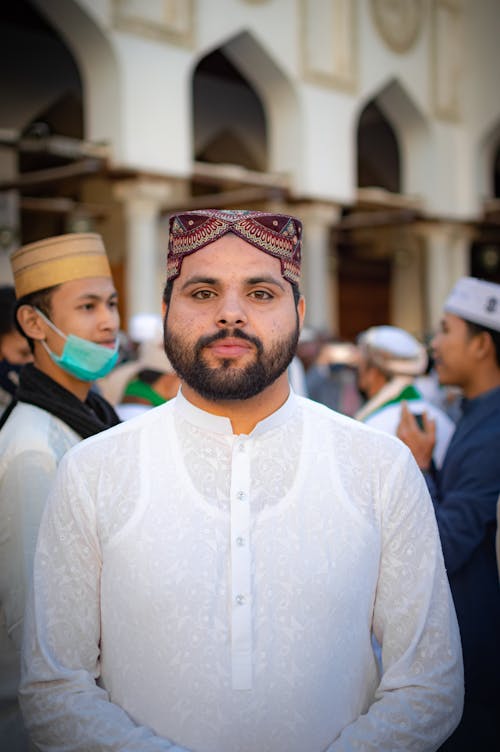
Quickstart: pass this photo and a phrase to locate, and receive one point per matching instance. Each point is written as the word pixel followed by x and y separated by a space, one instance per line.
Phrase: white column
pixel 145 274
pixel 319 281
pixel 447 259
pixel 407 285
pixel 9 216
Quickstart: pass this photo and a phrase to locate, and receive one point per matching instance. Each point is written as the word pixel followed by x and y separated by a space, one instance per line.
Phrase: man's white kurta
pixel 223 590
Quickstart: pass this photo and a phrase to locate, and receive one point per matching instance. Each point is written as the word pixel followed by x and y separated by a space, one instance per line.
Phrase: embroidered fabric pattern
pixel 140 593
pixel 274 460
pixel 278 235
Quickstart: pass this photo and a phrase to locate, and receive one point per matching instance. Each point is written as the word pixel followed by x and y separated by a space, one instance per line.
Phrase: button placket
pixel 241 610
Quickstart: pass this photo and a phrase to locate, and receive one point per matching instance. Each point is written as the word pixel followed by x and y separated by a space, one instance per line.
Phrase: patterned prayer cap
pixel 279 235
pixel 58 259
pixel 476 300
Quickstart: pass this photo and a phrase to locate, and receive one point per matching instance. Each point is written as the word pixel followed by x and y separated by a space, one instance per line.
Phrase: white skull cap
pixel 476 300
pixel 394 350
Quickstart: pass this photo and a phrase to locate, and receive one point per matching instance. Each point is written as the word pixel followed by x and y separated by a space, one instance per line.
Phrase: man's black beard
pixel 226 382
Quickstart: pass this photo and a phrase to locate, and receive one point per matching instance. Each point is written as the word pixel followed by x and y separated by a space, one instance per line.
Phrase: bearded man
pixel 210 575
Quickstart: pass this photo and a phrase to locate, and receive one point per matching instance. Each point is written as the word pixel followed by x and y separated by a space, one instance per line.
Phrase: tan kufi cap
pixel 59 259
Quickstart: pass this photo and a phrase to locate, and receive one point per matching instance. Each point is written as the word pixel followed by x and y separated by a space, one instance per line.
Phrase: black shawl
pixel 86 418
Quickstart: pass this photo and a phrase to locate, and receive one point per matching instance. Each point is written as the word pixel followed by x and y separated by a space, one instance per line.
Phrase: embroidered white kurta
pixel 223 590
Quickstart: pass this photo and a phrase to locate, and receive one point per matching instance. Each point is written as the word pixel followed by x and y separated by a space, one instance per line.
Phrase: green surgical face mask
pixel 80 357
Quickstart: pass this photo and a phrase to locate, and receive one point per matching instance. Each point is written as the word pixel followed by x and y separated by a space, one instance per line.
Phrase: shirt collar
pixel 491 396
pixel 222 425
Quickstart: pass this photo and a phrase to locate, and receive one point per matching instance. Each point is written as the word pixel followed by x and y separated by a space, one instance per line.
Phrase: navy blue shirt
pixel 465 493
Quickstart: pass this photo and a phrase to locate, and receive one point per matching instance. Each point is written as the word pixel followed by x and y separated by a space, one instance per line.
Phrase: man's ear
pixel 31 322
pixel 301 310
pixel 484 345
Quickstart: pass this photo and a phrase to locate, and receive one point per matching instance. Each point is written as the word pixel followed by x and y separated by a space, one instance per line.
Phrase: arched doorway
pixel 379 160
pixel 228 117
pixel 380 254
pixel 245 115
pixel 364 268
pixel 42 102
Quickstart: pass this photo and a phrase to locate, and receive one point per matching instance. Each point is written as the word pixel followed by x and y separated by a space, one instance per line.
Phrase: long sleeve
pixel 24 487
pixel 63 706
pixel 465 498
pixel 419 699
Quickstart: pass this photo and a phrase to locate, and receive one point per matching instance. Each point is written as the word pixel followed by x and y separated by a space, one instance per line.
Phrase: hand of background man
pixel 420 441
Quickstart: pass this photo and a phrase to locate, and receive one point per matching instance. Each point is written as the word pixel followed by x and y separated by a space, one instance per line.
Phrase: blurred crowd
pixel 68 372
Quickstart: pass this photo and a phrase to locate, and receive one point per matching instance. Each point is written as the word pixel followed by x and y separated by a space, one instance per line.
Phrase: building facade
pixel 375 121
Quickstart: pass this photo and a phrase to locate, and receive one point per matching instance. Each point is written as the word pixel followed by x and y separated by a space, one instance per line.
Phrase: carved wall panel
pixel 328 42
pixel 398 22
pixel 163 20
pixel 446 58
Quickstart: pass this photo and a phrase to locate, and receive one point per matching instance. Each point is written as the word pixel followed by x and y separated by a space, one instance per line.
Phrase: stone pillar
pixel 447 259
pixel 407 285
pixel 145 272
pixel 9 215
pixel 319 281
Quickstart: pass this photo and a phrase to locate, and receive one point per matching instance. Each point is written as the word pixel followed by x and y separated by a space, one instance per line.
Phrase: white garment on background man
pixel 383 411
pixel 32 443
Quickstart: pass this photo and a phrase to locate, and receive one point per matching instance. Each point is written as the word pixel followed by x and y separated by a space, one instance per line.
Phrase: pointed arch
pixel 410 130
pixel 32 84
pixel 489 162
pixel 379 163
pixel 229 124
pixel 97 65
pixel 277 127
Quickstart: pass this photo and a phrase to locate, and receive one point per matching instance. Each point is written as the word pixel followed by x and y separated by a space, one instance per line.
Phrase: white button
pixel 240 600
pixel 241 495
pixel 240 541
pixel 241 447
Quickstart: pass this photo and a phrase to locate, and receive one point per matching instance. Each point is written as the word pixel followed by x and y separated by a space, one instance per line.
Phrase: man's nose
pixel 110 319
pixel 231 311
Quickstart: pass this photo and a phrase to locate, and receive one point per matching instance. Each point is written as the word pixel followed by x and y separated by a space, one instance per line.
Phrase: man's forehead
pixel 86 287
pixel 451 320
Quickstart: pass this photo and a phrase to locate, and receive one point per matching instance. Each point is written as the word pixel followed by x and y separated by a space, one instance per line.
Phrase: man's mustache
pixel 225 334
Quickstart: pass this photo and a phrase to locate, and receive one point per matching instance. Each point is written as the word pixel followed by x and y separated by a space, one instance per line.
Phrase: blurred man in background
pixel 465 492
pixel 14 348
pixel 389 360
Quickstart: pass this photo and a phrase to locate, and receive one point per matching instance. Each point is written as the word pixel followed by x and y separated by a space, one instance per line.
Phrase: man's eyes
pixel 262 294
pixel 91 306
pixel 203 294
pixel 256 294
